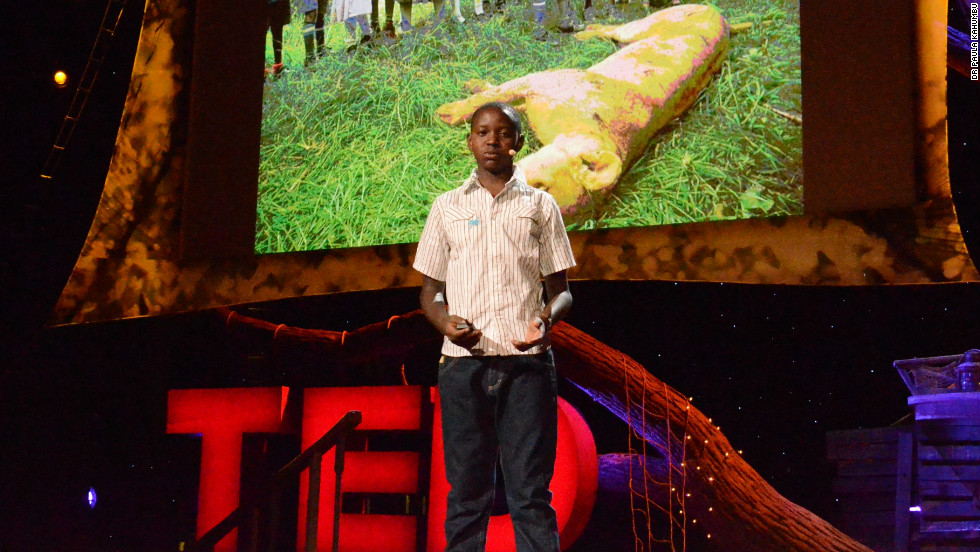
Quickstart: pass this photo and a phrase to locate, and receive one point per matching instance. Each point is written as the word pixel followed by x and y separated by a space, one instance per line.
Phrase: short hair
pixel 505 108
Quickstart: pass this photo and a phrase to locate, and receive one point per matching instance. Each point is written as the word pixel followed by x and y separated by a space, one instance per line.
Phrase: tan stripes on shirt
pixel 492 252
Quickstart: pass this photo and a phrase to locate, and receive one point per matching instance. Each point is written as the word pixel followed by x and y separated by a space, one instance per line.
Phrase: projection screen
pixel 812 151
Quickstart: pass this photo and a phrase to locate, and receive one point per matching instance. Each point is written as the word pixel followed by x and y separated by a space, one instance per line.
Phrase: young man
pixel 482 254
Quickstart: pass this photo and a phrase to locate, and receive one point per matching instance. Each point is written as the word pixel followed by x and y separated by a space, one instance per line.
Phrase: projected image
pixel 635 116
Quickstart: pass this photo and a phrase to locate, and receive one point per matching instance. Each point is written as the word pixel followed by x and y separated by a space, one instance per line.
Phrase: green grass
pixel 353 156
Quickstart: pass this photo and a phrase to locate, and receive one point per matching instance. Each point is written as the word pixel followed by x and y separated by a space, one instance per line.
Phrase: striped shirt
pixel 491 252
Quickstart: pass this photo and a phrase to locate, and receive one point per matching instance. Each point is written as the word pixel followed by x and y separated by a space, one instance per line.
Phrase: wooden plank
pixel 848 437
pixel 934 510
pixel 950 529
pixel 862 450
pixel 966 546
pixel 903 490
pixel 869 519
pixel 866 533
pixel 946 489
pixel 861 485
pixel 938 472
pixel 874 502
pixel 866 467
pixel 949 453
pixel 944 432
pixel 939 539
pixel 932 541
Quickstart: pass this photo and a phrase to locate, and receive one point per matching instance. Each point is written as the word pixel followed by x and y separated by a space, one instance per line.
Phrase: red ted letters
pixel 221 416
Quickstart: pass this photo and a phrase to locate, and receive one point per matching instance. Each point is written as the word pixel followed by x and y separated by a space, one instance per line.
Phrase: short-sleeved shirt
pixel 492 252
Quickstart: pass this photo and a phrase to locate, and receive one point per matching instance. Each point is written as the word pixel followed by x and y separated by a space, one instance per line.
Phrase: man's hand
pixel 536 332
pixel 556 286
pixel 460 331
pixel 456 328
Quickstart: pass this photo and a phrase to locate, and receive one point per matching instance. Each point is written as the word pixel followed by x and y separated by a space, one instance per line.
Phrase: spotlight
pixel 92 497
pixel 60 79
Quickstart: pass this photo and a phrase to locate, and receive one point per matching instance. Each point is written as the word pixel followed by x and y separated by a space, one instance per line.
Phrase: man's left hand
pixel 536 332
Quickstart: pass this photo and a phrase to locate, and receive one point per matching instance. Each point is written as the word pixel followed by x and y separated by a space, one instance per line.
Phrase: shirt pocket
pixel 525 221
pixel 461 226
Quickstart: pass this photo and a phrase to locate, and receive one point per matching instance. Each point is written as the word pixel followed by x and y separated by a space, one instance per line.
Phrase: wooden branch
pixel 393 337
pixel 746 512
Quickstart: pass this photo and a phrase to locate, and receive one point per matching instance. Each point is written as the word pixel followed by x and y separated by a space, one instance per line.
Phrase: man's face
pixel 492 136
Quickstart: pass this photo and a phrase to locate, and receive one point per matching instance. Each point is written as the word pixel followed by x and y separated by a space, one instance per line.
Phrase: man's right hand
pixel 456 328
pixel 466 337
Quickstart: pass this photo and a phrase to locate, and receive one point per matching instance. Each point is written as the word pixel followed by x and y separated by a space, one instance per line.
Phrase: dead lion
pixel 595 123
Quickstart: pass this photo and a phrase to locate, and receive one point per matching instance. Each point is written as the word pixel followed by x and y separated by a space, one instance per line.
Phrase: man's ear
pixel 469 141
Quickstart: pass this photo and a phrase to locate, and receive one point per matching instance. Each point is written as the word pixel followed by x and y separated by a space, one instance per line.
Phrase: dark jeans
pixel 507 404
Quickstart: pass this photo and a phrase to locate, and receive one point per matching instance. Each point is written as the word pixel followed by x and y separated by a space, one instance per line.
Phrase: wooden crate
pixel 948 459
pixel 871 473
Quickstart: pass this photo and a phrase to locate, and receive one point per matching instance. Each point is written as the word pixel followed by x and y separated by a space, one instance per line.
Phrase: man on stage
pixel 483 252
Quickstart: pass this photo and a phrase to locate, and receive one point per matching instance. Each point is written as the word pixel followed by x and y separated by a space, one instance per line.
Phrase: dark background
pixel 84 406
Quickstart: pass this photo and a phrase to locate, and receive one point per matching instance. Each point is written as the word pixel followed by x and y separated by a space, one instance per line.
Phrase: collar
pixel 516 179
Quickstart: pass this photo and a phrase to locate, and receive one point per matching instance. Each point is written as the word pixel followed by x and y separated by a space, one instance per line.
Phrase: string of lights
pixel 107 30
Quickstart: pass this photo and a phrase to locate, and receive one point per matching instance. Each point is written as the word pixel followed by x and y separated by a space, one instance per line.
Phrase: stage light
pixel 915 508
pixel 92 498
pixel 60 79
